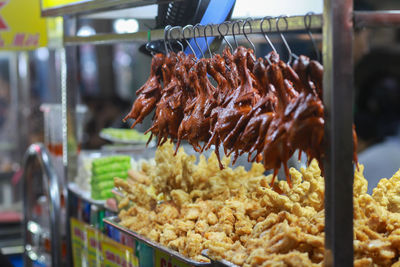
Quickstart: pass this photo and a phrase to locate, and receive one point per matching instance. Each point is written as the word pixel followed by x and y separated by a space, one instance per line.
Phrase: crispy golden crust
pixel 237 216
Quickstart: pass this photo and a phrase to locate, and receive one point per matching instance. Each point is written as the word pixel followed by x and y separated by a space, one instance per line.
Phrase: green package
pixel 103 184
pixel 102 195
pixel 113 167
pixel 109 176
pixel 109 160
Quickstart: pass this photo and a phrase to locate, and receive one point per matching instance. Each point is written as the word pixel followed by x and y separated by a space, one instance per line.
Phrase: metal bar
pixel 39 152
pixel 93 6
pixel 20 95
pixel 294 23
pixel 389 18
pixel 338 102
pixel 103 39
pixel 69 98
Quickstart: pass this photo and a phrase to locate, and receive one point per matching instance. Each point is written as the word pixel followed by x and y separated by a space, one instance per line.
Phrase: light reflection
pixel 126 25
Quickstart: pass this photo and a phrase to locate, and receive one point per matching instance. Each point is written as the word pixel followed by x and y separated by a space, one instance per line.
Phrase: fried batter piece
pixel 239 217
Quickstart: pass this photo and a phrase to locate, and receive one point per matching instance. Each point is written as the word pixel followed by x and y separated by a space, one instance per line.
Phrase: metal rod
pixel 295 23
pixel 69 98
pixel 390 18
pixel 94 6
pixel 338 102
pixel 21 79
pixel 103 39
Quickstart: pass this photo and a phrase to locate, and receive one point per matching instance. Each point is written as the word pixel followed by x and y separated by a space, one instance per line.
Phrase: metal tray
pixel 114 221
pixel 218 263
pixel 117 140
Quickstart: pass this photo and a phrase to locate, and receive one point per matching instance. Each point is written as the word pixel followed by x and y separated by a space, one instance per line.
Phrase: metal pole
pixel 21 79
pixel 338 101
pixel 294 23
pixel 387 18
pixel 69 98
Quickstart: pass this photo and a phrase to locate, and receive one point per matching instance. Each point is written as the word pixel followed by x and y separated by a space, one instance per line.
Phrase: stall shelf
pixel 337 22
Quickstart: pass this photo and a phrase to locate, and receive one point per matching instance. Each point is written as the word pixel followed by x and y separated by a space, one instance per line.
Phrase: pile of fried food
pixel 263 107
pixel 237 216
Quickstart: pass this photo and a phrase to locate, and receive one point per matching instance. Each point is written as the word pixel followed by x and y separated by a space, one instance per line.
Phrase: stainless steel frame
pixel 338 19
pixel 338 104
pixel 69 66
pixel 390 18
pixel 39 152
pixel 294 23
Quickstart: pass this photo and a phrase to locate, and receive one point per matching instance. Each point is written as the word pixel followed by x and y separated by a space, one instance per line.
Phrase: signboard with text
pixel 164 260
pixel 118 255
pixel 79 244
pixel 92 248
pixel 21 26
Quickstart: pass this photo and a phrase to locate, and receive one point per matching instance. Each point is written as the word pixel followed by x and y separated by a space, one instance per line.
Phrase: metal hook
pixel 176 39
pixel 265 35
pixel 291 55
pixel 166 29
pixel 184 38
pixel 248 21
pixel 196 27
pixel 223 35
pixel 233 30
pixel 169 39
pixel 307 25
pixel 205 37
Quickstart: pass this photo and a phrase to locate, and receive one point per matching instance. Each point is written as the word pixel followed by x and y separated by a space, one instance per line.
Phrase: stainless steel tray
pixel 114 221
pixel 218 263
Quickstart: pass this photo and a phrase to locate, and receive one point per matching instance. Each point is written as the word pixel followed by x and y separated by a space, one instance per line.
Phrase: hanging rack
pixel 294 23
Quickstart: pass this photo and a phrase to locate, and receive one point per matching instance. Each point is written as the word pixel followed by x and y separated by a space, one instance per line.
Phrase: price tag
pixel 165 260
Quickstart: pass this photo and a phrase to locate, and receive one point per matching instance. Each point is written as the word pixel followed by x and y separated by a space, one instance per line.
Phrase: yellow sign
pixel 94 240
pixel 118 255
pixel 78 240
pixel 57 3
pixel 164 260
pixel 92 248
pixel 21 27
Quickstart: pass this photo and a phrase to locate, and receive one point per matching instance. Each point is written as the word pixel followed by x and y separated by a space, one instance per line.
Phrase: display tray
pixel 114 222
pixel 85 195
pixel 122 141
pixel 218 263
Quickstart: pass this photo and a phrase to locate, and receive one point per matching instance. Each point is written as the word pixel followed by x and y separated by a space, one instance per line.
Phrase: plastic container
pixel 53 133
